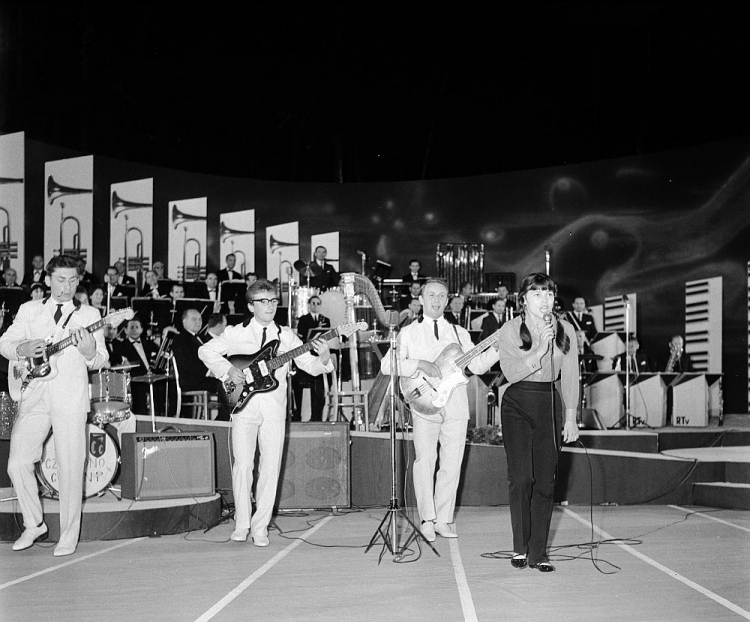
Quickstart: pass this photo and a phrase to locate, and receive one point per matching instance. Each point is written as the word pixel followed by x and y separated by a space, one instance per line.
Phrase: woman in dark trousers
pixel 535 349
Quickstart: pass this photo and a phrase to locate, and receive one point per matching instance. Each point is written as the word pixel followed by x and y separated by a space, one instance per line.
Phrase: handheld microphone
pixel 548 321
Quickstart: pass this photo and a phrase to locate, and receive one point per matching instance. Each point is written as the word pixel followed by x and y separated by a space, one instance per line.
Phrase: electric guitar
pixel 44 368
pixel 428 394
pixel 260 368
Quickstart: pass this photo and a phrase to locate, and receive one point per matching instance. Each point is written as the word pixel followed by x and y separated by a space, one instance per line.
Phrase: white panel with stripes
pixel 703 324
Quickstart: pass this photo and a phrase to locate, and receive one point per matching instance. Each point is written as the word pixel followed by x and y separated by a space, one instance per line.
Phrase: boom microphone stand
pixel 388 527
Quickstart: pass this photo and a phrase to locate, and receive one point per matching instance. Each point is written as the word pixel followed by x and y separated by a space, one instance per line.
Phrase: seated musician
pixel 301 379
pixel 679 360
pixel 191 371
pixel 141 352
pixel 259 421
pixel 151 285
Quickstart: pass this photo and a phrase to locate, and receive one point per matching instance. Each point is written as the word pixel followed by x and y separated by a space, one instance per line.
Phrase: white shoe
pixel 428 530
pixel 29 536
pixel 240 534
pixel 261 540
pixel 443 529
pixel 61 550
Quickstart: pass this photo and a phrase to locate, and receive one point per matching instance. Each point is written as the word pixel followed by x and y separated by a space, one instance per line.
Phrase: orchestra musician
pixel 679 360
pixel 150 287
pixel 581 319
pixel 301 379
pixel 420 346
pixel 415 273
pixel 229 273
pixel 60 402
pixel 261 421
pixel 324 275
pixel 134 349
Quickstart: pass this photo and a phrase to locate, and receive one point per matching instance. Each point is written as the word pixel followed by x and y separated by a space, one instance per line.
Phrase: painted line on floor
pixel 718 520
pixel 260 572
pixel 464 593
pixel 675 575
pixel 69 563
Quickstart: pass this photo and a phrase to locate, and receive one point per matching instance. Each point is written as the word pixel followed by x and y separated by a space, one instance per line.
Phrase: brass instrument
pixel 675 353
pixel 161 362
pixel 138 262
pixel 55 190
pixel 8 249
pixel 75 248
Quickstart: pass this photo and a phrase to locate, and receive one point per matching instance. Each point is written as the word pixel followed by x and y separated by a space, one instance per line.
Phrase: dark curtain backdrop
pixel 642 224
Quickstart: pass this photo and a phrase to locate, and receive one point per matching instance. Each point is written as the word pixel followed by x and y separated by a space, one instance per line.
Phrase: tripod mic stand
pixel 388 527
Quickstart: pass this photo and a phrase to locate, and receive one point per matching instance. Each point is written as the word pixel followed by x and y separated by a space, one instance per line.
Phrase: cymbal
pixel 300 265
pixel 150 378
pixel 123 366
pixel 308 267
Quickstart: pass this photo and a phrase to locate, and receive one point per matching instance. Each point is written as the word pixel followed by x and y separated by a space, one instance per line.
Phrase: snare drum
pixel 100 468
pixel 109 391
pixel 8 413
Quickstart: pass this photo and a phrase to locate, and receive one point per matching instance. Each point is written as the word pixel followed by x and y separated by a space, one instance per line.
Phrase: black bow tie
pixel 135 341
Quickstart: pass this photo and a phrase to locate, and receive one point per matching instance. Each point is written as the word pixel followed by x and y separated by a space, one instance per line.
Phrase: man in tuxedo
pixel 580 319
pixel 454 311
pixel 141 352
pixel 634 360
pixel 123 278
pixel 150 287
pixel 158 268
pixel 683 363
pixel 503 293
pixel 411 313
pixel 87 279
pixel 324 274
pixel 37 273
pixel 229 273
pixel 10 278
pixel 212 286
pixel 301 379
pixel 112 287
pixel 415 273
pixel 494 319
pixel 414 288
pixel 192 372
pixel 216 324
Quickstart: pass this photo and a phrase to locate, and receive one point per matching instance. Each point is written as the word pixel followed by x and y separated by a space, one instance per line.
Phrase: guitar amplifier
pixel 167 465
pixel 315 466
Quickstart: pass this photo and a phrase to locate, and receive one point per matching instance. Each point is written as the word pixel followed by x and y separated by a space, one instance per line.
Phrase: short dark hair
pixel 215 319
pixel 261 285
pixel 61 261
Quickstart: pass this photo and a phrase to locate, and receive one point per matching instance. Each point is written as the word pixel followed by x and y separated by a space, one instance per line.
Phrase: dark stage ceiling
pixel 366 92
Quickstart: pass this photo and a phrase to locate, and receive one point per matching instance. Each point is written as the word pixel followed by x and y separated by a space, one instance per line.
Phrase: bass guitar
pixel 260 368
pixel 428 394
pixel 44 367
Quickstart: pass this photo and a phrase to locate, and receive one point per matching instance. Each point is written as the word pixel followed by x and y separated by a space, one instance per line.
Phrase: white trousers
pixel 436 496
pixel 268 436
pixel 30 430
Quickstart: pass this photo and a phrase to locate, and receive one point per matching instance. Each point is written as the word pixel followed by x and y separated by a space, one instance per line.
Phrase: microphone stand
pixel 388 527
pixel 628 422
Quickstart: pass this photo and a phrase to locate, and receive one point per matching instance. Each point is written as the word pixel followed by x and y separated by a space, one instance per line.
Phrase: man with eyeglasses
pixel 262 421
pixel 301 379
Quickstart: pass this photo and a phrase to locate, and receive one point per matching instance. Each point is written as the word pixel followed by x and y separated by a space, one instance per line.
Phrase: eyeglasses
pixel 314 303
pixel 267 301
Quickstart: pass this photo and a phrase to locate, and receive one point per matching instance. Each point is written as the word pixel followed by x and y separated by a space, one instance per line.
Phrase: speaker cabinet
pixel 167 465
pixel 315 466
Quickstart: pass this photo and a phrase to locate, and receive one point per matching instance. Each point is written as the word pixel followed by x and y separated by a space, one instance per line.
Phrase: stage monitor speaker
pixel 167 465
pixel 315 466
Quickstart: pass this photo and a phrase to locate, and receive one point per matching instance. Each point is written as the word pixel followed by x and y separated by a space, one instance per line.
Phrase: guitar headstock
pixel 115 318
pixel 347 330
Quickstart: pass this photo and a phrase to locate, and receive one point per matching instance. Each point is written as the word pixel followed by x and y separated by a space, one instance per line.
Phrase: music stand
pixel 165 287
pixel 153 312
pixel 12 298
pixel 151 378
pixel 389 531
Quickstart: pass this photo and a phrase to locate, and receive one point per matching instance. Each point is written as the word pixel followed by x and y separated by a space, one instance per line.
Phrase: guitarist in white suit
pixel 59 400
pixel 262 421
pixel 420 345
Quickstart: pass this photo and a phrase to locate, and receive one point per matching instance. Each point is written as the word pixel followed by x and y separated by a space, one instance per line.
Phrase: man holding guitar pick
pixel 432 355
pixel 57 399
pixel 259 414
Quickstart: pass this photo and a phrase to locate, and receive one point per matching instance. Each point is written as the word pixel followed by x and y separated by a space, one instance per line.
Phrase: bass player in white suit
pixel 59 400
pixel 262 421
pixel 419 346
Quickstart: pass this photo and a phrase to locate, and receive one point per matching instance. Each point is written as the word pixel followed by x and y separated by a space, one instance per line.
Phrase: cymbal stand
pixel 388 527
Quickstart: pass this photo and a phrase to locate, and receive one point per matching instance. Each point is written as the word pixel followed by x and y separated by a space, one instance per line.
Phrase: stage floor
pixel 668 563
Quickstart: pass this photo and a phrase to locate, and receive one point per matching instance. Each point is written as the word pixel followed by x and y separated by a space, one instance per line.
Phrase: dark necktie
pixel 58 313
pixel 437 336
pixel 263 339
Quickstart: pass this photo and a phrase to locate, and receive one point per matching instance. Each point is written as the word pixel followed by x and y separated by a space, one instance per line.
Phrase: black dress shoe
pixel 543 567
pixel 519 561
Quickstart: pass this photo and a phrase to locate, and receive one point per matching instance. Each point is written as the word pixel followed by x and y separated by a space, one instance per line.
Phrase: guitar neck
pixel 64 343
pixel 466 358
pixel 283 359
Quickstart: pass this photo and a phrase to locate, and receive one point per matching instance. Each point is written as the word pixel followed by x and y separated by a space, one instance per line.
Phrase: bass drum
pixel 300 297
pixel 100 468
pixel 8 414
pixel 333 306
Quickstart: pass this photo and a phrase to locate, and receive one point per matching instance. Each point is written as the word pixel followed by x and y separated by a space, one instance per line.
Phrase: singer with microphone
pixel 535 350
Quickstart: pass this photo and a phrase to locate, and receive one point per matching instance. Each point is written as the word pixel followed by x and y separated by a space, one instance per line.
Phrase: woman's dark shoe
pixel 519 561
pixel 543 567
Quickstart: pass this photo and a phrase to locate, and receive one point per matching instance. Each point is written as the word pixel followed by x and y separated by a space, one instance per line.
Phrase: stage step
pixel 722 495
pixel 737 472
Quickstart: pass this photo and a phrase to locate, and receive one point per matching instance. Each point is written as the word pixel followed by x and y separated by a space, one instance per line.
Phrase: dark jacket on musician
pixel 490 324
pixel 127 350
pixel 308 322
pixel 643 362
pixel 192 371
pixel 584 323
pixel 327 279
